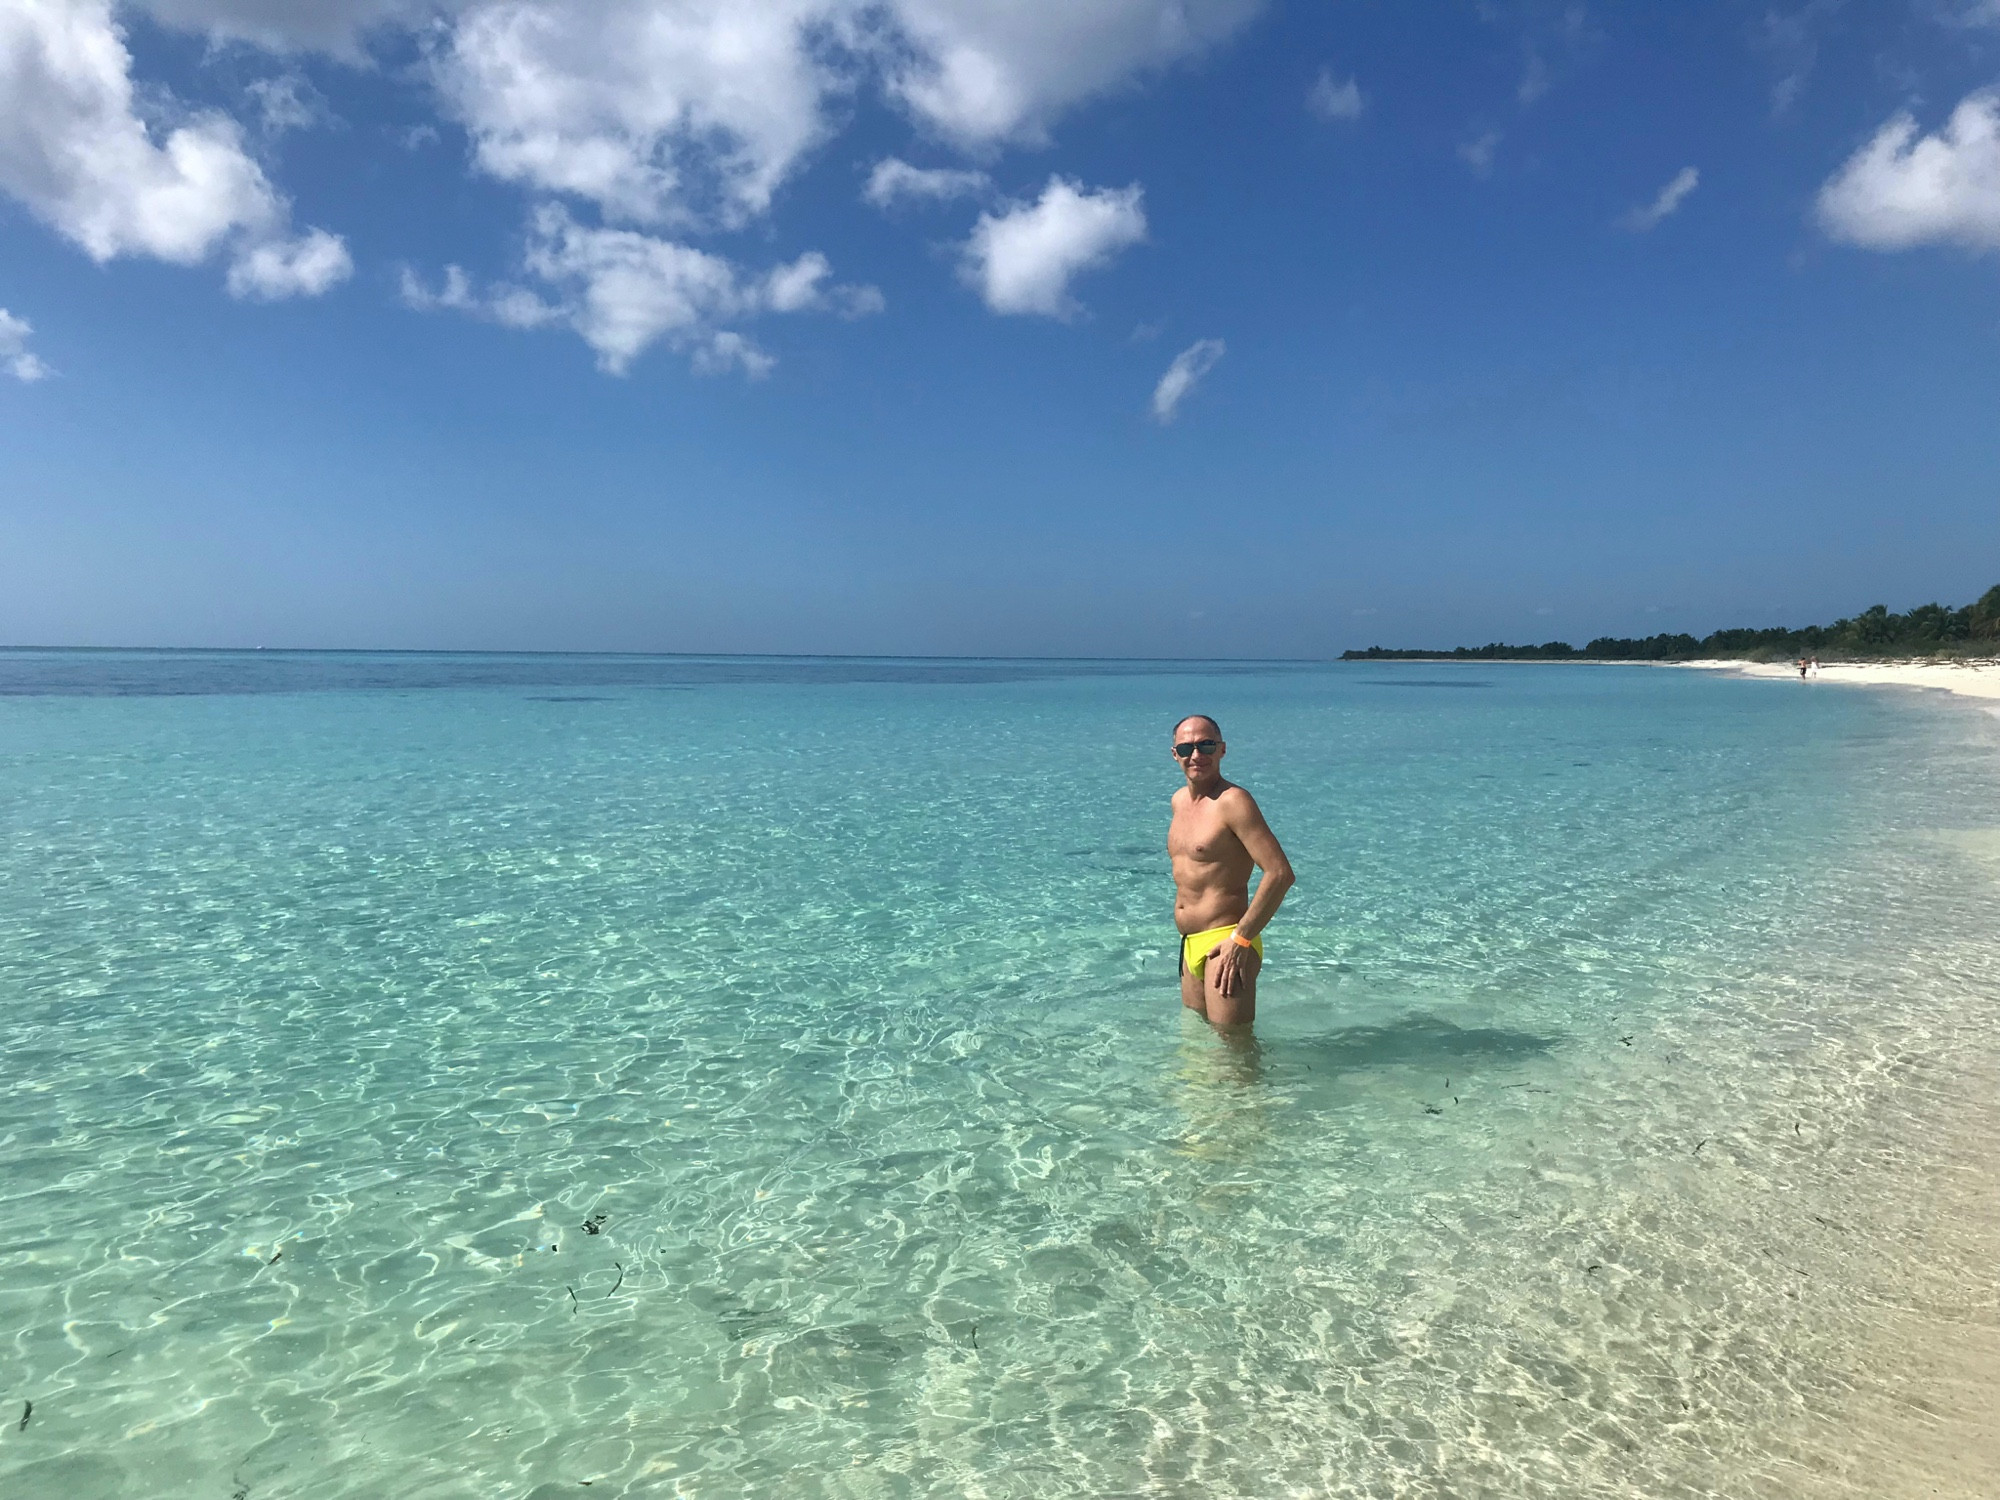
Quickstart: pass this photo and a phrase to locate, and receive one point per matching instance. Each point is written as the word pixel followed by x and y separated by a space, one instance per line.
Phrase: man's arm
pixel 1246 821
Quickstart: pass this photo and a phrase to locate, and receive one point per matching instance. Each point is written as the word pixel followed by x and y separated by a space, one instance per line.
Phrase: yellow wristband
pixel 1240 940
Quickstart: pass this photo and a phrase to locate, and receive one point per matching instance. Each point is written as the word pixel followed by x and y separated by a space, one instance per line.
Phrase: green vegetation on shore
pixel 1927 630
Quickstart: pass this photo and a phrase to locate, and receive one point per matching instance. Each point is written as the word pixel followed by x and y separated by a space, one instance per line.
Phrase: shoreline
pixel 1966 678
pixel 1920 1422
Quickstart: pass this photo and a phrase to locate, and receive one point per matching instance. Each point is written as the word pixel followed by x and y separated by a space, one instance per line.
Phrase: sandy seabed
pixel 1943 1434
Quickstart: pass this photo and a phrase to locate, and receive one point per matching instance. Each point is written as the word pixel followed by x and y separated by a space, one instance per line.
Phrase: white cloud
pixel 798 285
pixel 14 356
pixel 1182 376
pixel 304 267
pixel 680 116
pixel 894 179
pixel 641 79
pixel 657 111
pixel 672 117
pixel 1900 190
pixel 1669 198
pixel 1335 101
pixel 984 71
pixel 1022 259
pixel 625 291
pixel 335 26
pixel 690 112
pixel 75 151
pixel 803 286
pixel 631 290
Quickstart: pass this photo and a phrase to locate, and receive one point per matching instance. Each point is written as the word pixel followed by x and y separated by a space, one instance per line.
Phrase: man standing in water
pixel 1215 839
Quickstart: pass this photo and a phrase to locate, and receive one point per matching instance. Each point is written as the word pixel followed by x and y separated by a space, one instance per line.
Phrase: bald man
pixel 1217 837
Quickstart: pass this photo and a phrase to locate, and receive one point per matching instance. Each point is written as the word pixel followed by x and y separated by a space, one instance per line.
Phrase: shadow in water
pixel 1413 1041
pixel 1218 1079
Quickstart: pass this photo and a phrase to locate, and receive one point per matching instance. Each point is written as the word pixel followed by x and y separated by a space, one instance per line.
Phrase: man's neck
pixel 1208 786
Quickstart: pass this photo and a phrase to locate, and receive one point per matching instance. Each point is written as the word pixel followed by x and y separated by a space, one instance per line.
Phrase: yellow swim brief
pixel 1196 946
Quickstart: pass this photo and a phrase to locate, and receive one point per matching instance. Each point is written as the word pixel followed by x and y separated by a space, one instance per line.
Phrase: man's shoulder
pixel 1235 799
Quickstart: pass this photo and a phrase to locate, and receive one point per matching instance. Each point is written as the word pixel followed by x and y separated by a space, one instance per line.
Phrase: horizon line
pixel 682 655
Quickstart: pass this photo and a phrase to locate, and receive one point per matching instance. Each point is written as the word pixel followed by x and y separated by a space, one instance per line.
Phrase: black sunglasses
pixel 1186 749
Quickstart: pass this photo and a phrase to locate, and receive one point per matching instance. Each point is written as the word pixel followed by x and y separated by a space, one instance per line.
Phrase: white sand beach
pixel 1971 679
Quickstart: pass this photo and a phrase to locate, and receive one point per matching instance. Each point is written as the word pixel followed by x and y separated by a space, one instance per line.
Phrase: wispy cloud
pixel 1478 153
pixel 14 356
pixel 1332 99
pixel 1790 38
pixel 895 179
pixel 1183 375
pixel 1534 80
pixel 1555 39
pixel 288 102
pixel 624 291
pixel 1664 203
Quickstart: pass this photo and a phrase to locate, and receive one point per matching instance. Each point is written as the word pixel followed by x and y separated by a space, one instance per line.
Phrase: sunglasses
pixel 1186 749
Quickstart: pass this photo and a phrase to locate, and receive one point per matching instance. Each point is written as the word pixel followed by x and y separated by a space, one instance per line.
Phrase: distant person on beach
pixel 1802 669
pixel 1217 837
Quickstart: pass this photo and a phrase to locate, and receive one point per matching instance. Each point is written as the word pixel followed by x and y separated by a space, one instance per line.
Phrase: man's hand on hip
pixel 1231 962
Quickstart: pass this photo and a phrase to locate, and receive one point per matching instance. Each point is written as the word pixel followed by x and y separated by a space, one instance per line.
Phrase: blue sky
pixel 990 326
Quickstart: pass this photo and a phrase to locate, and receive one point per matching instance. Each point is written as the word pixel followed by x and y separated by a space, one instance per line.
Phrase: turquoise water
pixel 1618 1121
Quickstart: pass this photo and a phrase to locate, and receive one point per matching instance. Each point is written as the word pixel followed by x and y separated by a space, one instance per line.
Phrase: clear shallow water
pixel 1619 1121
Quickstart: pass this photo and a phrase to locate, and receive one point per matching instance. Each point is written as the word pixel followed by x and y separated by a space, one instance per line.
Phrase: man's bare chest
pixel 1201 835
